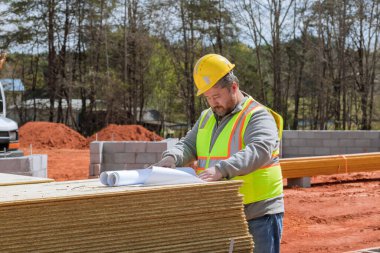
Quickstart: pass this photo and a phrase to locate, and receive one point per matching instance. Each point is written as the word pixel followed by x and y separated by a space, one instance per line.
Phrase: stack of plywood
pixel 84 216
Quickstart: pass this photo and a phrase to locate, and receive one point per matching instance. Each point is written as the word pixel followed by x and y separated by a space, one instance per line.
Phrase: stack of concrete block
pixel 122 155
pixel 319 142
pixel 33 165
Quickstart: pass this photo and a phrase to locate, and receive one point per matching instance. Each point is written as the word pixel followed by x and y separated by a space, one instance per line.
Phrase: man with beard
pixel 236 138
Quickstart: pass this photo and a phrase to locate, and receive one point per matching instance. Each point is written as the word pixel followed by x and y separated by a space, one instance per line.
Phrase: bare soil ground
pixel 338 213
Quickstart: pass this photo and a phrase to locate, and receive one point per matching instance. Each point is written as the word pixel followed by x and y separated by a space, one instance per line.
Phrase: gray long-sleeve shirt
pixel 260 138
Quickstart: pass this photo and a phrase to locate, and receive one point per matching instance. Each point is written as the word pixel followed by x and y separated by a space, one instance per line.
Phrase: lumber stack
pixel 84 216
pixel 328 165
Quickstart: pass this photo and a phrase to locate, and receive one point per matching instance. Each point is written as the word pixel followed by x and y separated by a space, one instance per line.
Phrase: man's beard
pixel 221 111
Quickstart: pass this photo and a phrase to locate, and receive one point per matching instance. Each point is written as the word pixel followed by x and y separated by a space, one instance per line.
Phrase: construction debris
pixel 85 216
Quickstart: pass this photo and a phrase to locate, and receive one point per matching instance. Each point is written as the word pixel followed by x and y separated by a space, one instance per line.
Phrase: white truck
pixel 9 143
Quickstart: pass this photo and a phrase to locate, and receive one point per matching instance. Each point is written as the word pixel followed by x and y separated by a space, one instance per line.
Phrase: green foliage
pixel 162 79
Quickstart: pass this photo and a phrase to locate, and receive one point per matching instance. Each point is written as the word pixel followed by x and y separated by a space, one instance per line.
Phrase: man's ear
pixel 235 87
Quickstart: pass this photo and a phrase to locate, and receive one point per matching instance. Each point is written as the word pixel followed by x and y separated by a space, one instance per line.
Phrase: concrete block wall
pixel 119 155
pixel 317 143
pixel 33 165
pixel 122 155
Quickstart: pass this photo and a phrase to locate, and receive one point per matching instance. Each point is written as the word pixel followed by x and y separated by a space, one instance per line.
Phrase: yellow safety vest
pixel 263 183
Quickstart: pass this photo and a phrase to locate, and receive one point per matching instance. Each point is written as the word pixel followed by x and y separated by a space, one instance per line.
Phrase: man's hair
pixel 227 81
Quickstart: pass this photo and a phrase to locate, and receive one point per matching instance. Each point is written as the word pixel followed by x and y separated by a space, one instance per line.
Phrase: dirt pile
pixel 44 135
pixel 50 135
pixel 125 133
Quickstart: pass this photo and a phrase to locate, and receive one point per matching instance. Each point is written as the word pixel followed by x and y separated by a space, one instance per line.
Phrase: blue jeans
pixel 266 232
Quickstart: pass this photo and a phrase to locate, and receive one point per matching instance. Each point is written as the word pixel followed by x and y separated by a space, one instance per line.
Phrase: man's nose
pixel 215 102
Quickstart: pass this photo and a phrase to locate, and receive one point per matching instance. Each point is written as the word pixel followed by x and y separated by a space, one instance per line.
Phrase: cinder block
pixel 134 166
pixel 322 151
pixel 330 143
pixel 125 157
pixel 113 147
pixel 306 134
pixel 156 146
pixel 38 165
pixel 95 158
pixel 373 134
pixel 285 142
pixel 343 135
pixel 338 150
pixel 298 142
pixel 362 143
pixel 355 150
pixel 314 142
pixel 146 158
pixel 288 134
pixel 12 165
pixel 113 166
pixel 322 134
pixel 108 158
pixel 95 170
pixel 25 164
pixel 307 151
pixel 96 147
pixel 304 182
pixel 345 143
pixel 289 151
pixel 375 143
pixel 135 146
pixel 287 155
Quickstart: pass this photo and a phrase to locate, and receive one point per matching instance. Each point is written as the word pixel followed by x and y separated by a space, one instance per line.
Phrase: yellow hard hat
pixel 209 70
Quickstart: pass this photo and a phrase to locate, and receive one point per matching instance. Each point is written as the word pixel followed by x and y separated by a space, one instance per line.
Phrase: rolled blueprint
pixel 128 177
pixel 150 176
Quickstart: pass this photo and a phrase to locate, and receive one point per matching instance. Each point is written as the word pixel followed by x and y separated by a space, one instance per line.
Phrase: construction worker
pixel 236 138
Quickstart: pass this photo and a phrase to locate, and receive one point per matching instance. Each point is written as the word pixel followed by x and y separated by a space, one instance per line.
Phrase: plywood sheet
pixel 12 179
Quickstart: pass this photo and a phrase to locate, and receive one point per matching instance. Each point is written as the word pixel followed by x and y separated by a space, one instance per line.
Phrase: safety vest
pixel 263 183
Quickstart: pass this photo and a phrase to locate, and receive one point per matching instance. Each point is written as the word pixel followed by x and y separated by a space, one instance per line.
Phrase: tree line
pixel 315 62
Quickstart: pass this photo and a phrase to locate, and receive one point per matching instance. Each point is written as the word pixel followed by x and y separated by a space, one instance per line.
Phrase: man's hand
pixel 167 161
pixel 210 174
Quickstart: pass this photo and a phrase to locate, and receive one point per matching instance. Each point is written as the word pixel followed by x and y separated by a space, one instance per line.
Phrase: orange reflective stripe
pixel 218 157
pixel 275 155
pixel 199 170
pixel 235 125
pixel 212 157
pixel 242 125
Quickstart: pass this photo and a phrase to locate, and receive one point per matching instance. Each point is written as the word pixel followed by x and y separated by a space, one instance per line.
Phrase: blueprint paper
pixel 150 176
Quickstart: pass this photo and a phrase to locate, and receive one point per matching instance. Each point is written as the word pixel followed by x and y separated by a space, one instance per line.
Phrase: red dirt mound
pixel 50 135
pixel 125 133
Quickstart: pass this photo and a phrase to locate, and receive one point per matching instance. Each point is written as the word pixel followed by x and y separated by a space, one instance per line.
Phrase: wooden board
pixel 12 179
pixel 329 165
